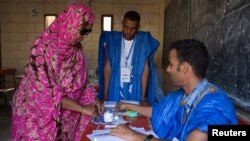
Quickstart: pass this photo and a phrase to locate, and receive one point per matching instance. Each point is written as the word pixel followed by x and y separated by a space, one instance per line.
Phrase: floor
pixel 5 120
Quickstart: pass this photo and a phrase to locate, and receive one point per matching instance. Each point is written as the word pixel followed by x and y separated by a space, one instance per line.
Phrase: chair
pixel 7 83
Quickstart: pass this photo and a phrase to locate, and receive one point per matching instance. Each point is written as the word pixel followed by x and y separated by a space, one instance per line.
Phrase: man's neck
pixel 191 84
pixel 128 39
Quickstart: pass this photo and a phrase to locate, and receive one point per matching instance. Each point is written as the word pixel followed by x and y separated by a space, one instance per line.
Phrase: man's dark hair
pixel 194 52
pixel 133 16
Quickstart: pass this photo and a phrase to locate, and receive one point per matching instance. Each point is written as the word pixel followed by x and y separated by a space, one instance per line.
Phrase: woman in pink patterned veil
pixel 54 100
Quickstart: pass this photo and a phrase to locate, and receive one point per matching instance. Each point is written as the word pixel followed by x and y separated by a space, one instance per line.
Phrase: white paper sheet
pixel 130 102
pixel 107 138
pixel 104 135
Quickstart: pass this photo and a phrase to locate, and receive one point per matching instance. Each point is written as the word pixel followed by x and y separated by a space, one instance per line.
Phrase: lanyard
pixel 128 55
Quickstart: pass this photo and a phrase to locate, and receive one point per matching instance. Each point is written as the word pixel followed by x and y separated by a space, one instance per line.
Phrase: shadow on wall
pixel 167 84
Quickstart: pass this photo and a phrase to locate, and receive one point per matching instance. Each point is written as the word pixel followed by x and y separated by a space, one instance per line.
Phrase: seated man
pixel 185 113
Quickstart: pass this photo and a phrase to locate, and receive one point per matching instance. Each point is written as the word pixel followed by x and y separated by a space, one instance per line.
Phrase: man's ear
pixel 185 67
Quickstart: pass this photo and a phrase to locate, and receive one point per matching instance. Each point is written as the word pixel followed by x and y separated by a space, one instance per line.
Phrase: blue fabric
pixel 214 108
pixel 145 47
pixel 191 99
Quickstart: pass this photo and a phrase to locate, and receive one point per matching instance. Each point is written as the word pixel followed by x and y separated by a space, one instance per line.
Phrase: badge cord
pixel 126 60
pixel 128 55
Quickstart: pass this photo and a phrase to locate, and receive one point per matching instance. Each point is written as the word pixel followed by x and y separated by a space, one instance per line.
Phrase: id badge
pixel 125 74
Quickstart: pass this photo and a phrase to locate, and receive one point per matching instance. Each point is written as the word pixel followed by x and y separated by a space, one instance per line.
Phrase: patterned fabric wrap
pixel 214 108
pixel 56 68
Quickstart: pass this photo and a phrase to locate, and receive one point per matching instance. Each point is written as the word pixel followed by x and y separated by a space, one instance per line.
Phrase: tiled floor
pixel 5 121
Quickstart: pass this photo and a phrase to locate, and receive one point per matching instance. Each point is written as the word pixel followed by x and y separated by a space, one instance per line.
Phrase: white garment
pixel 125 52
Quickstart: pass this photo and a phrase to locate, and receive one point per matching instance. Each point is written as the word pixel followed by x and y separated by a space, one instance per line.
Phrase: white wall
pixel 19 28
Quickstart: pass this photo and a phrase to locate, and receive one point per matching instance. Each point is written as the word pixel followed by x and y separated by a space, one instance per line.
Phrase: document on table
pixel 143 131
pixel 109 104
pixel 107 138
pixel 130 102
pixel 104 135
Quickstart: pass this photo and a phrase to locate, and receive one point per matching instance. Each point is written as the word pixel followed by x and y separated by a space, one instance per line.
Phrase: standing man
pixel 184 114
pixel 125 63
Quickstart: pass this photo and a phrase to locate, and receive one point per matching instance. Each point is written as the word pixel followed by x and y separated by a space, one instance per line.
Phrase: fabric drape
pixel 56 68
pixel 214 108
pixel 144 48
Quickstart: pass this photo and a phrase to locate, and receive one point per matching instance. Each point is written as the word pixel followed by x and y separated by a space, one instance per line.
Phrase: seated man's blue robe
pixel 144 48
pixel 213 108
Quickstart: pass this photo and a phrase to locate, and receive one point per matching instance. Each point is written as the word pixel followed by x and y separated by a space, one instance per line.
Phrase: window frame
pixel 45 19
pixel 103 22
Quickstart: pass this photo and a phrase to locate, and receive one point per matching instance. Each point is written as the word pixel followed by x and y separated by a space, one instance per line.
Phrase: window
pixel 107 22
pixel 48 19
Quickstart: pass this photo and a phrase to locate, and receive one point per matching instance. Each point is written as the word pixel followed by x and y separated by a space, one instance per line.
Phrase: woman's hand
pixel 93 110
pixel 99 106
pixel 89 110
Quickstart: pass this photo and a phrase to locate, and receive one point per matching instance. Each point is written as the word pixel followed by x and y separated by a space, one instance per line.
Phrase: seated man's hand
pixel 145 103
pixel 123 106
pixel 124 132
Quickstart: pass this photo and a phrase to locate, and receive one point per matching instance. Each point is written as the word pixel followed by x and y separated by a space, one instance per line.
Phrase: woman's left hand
pixel 89 110
pixel 99 106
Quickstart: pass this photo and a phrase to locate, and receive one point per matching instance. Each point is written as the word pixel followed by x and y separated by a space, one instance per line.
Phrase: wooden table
pixel 139 121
